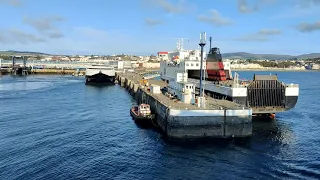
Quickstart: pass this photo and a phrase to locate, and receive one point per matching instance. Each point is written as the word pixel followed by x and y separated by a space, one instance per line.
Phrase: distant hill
pixel 21 53
pixel 236 55
pixel 307 56
pixel 244 55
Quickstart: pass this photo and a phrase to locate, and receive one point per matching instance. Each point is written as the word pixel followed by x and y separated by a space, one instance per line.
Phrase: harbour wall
pixel 6 71
pixel 55 71
pixel 180 123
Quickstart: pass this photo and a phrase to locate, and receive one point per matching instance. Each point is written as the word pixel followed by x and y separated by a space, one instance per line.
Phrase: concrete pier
pixel 220 118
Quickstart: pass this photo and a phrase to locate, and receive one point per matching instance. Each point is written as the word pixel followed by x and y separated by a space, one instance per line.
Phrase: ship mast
pixel 180 43
pixel 202 43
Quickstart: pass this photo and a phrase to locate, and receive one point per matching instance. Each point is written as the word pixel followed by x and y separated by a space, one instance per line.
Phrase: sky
pixel 144 27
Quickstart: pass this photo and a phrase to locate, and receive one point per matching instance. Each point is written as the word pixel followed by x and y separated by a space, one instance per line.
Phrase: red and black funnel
pixel 214 66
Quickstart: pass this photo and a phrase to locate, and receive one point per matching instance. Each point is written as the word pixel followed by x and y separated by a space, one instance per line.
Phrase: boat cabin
pixel 143 110
pixel 182 89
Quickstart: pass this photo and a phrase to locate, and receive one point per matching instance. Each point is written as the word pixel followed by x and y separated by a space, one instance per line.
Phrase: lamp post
pixel 202 44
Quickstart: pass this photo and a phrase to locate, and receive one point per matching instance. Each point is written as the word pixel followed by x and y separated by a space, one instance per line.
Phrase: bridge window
pixel 197 64
pixel 187 64
pixel 191 64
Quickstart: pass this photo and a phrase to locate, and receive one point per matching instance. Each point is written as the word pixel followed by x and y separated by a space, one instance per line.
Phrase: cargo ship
pixel 100 74
pixel 265 94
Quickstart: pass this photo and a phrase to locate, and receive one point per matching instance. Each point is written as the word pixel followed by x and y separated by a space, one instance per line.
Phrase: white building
pixel 120 64
pixel 315 66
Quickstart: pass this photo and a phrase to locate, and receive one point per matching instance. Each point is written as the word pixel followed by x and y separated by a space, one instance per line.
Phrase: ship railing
pixel 239 85
pixel 292 85
pixel 211 103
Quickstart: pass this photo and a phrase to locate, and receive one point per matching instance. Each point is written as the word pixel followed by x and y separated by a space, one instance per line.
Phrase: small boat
pixel 142 114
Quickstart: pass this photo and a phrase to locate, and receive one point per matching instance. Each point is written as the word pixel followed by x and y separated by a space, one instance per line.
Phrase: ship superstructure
pixel 265 94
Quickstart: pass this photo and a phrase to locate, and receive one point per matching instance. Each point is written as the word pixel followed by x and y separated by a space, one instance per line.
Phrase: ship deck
pixel 229 83
pixel 211 103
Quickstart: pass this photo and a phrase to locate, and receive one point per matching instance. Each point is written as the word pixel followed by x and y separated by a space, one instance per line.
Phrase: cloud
pixel 82 40
pixel 262 35
pixel 46 25
pixel 316 2
pixel 308 3
pixel 296 11
pixel 244 7
pixel 167 6
pixel 308 27
pixel 269 32
pixel 252 37
pixel 98 41
pixel 15 3
pixel 15 36
pixel 42 24
pixel 153 22
pixel 215 18
pixel 55 35
pixel 91 33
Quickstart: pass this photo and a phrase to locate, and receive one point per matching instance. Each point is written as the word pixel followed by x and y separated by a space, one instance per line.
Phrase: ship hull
pixel 290 102
pixel 100 78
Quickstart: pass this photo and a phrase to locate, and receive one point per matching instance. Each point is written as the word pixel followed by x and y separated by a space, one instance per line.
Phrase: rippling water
pixel 55 127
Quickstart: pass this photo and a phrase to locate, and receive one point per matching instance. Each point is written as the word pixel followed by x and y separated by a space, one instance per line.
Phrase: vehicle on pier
pixel 100 74
pixel 142 114
pixel 265 94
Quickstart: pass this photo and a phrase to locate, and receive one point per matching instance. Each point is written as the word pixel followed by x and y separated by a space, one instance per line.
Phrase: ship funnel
pixel 214 55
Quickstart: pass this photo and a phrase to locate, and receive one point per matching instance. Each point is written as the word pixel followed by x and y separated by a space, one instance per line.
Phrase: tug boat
pixel 142 114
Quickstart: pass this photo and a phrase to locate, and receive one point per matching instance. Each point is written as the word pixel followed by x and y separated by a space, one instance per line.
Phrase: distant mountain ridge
pixel 22 52
pixel 235 55
pixel 244 55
